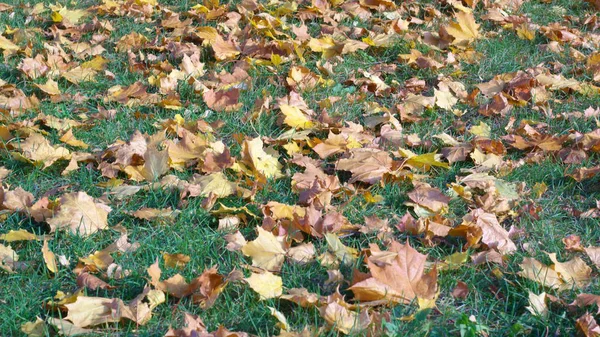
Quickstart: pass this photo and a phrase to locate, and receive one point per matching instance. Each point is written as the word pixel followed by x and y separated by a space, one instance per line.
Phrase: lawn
pixel 283 168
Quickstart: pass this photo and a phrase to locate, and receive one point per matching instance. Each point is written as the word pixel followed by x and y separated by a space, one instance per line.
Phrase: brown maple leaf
pixel 367 165
pixel 399 277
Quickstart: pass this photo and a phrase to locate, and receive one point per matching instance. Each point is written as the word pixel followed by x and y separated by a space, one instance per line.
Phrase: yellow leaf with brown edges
pixel 263 163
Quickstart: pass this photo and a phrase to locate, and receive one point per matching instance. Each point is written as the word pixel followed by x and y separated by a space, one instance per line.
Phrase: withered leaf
pixel 401 280
pixel 80 214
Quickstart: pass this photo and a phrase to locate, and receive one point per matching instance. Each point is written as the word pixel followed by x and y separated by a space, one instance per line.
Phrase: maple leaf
pixel 156 164
pixel 429 198
pixel 176 260
pixel 92 282
pixel 367 165
pixel 224 49
pixel 560 275
pixel 50 87
pixel 79 74
pixel 445 99
pixel 479 225
pixel 16 200
pixel 222 100
pixel 7 45
pixel 262 163
pixel 69 138
pixel 34 329
pixel 38 150
pixel 8 257
pixel 154 213
pixel 267 251
pixel 424 161
pixel 400 279
pixel 204 289
pixel 588 326
pixel 594 254
pixel 215 184
pixel 266 284
pixel 537 304
pixel 344 319
pixel 302 79
pixel 92 311
pixel 67 328
pixel 80 214
pixel 343 253
pixel 465 30
pixel 18 235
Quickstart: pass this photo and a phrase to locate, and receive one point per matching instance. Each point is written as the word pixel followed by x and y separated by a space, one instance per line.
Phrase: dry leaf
pixel 80 214
pixel 267 251
pixel 49 258
pixel 401 280
pixel 176 260
pixel 266 284
pixel 18 235
pixel 465 30
pixel 537 304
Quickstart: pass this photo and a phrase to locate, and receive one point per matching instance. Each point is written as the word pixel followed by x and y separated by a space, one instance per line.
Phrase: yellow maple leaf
pixel 465 30
pixel 481 130
pixel 263 163
pixel 295 118
pixel 267 284
pixel 343 253
pixel 7 45
pixel 267 251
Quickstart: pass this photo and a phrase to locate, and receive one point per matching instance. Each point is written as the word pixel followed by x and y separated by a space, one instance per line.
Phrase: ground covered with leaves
pixel 300 168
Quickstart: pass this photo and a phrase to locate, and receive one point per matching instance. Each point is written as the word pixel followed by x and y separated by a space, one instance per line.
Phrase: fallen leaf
pixel 176 260
pixel 464 30
pixel 346 255
pixel 537 304
pixel 345 320
pixel 49 258
pixel 8 257
pixel 402 280
pixel 267 251
pixel 80 214
pixel 261 162
pixel 366 165
pixel 35 329
pixel 587 325
pixel 266 284
pixel 560 276
pixel 18 235
pixel 50 87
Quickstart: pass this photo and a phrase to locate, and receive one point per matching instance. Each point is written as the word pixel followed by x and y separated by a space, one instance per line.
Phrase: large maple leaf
pixel 80 214
pixel 398 275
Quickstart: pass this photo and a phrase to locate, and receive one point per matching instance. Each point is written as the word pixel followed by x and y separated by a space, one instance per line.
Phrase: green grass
pixel 497 295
